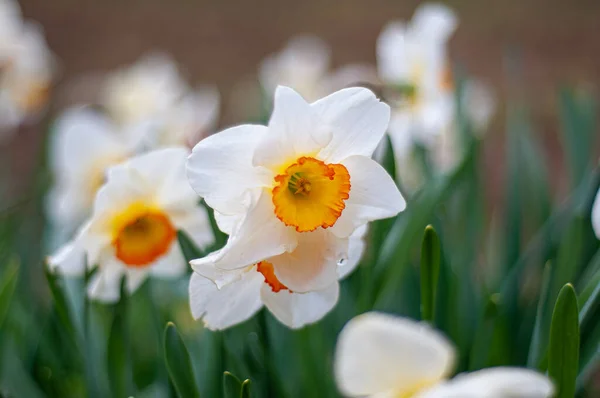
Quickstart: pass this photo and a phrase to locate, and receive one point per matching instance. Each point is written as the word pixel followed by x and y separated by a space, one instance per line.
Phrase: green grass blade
pixel 179 364
pixel 8 283
pixel 246 389
pixel 118 350
pixel 430 272
pixel 60 301
pixel 232 386
pixel 563 354
pixel 539 338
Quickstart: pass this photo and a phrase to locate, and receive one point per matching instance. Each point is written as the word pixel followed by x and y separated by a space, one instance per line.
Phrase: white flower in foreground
pixel 304 65
pixel 26 68
pixel 133 229
pixel 412 63
pixel 84 144
pixel 223 298
pixel 293 192
pixel 380 355
pixel 596 215
pixel 152 93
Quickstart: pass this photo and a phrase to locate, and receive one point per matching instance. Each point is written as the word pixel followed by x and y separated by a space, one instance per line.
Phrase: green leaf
pixel 246 389
pixel 232 386
pixel 118 351
pixel 179 364
pixel 563 354
pixel 60 301
pixel 539 339
pixel 8 283
pixel 430 272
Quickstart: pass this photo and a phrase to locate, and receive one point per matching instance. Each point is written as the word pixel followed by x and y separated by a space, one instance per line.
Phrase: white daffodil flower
pixel 84 144
pixel 412 63
pixel 596 215
pixel 26 68
pixel 379 355
pixel 304 65
pixel 152 95
pixel 133 229
pixel 294 191
pixel 223 298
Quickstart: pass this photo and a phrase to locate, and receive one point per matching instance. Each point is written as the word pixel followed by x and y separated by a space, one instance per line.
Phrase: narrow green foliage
pixel 563 353
pixel 539 338
pixel 8 283
pixel 118 350
pixel 189 249
pixel 178 363
pixel 60 301
pixel 430 272
pixel 232 386
pixel 245 393
pixel 483 339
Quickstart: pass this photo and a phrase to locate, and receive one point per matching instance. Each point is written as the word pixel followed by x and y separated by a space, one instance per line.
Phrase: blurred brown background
pixel 222 42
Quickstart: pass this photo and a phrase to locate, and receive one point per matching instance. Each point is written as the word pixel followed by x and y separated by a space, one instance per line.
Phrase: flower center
pixel 266 268
pixel 141 235
pixel 311 194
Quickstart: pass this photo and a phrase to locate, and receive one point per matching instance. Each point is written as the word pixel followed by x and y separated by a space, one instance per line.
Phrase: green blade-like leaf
pixel 232 386
pixel 246 389
pixel 430 272
pixel 178 363
pixel 8 283
pixel 118 352
pixel 539 339
pixel 563 353
pixel 60 301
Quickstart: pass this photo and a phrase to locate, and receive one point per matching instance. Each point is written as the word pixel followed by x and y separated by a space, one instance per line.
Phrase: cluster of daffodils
pixel 381 356
pixel 132 232
pixel 144 107
pixel 294 197
pixel 26 68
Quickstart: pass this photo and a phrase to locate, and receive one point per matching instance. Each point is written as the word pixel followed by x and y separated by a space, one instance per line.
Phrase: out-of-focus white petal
pixel 596 215
pixel 480 104
pixel 393 52
pixel 357 121
pixel 296 310
pixel 313 263
pixel 356 249
pixel 169 265
pixel 378 353
pixel 435 21
pixel 373 196
pixel 494 383
pixel 106 283
pixel 220 168
pixel 260 235
pixel 294 131
pixel 301 65
pixel 196 224
pixel 69 259
pixel 230 305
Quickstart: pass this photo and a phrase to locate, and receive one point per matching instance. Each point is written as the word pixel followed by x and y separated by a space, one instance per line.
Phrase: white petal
pixel 393 54
pixel 228 223
pixel 494 383
pixel 260 235
pixel 434 20
pixel 357 121
pixel 377 353
pixel 356 249
pixel 294 131
pixel 196 224
pixel 296 310
pixel 313 263
pixel 220 168
pixel 106 283
pixel 171 264
pixel 135 278
pixel 230 305
pixel 373 196
pixel 596 215
pixel 69 259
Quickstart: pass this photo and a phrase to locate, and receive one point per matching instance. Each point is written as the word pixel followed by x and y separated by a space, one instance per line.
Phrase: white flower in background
pixel 596 215
pixel 380 355
pixel 223 298
pixel 133 229
pixel 84 144
pixel 152 94
pixel 412 63
pixel 304 65
pixel 293 192
pixel 26 68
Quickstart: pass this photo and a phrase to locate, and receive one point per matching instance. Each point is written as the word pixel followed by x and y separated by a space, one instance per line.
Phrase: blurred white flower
pixel 306 178
pixel 304 65
pixel 133 229
pixel 26 68
pixel 380 355
pixel 152 93
pixel 596 215
pixel 223 298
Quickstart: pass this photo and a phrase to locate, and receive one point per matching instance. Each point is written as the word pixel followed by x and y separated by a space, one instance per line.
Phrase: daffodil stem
pixel 269 376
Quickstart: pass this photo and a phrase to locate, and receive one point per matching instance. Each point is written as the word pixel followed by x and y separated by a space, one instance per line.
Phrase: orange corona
pixel 266 268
